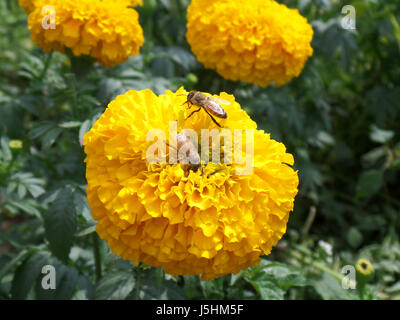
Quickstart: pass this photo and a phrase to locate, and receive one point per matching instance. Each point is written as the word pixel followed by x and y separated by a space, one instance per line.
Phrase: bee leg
pixel 188 103
pixel 193 112
pixel 212 118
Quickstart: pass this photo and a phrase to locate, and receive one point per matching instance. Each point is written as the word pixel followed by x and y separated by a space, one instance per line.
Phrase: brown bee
pixel 187 153
pixel 211 105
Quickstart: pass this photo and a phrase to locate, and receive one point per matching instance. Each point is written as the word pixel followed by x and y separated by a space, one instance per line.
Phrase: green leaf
pixel 81 205
pixel 354 237
pixel 27 274
pixel 70 124
pixel 379 135
pixel 26 182
pixel 114 286
pixel 6 152
pixel 167 290
pixel 85 127
pixel 329 288
pixel 86 231
pixel 191 284
pixel 60 224
pixel 182 57
pixel 10 264
pixel 265 284
pixel 267 288
pixel 26 205
pixel 40 130
pixel 50 137
pixel 372 157
pixel 286 276
pixel 369 183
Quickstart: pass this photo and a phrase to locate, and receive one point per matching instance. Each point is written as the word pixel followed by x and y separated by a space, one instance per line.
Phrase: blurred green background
pixel 340 120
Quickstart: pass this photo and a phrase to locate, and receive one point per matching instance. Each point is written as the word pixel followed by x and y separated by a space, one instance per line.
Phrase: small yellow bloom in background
pixel 365 271
pixel 211 221
pixel 15 144
pixel 106 30
pixel 256 41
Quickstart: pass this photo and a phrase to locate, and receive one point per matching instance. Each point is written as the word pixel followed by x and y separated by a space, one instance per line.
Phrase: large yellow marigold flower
pixel 106 30
pixel 211 221
pixel 257 41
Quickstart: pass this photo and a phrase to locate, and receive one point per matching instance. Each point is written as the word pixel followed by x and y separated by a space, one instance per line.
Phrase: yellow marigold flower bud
pixel 15 144
pixel 257 41
pixel 365 271
pixel 106 30
pixel 212 221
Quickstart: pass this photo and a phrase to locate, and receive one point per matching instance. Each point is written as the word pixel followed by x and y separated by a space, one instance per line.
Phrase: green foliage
pixel 340 120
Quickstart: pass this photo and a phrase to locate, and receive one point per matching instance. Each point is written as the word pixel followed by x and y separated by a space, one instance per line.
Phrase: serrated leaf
pixel 265 284
pixel 25 205
pixel 114 286
pixel 40 130
pixel 35 190
pixel 60 224
pixel 267 289
pixel 50 137
pixel 5 268
pixel 27 274
pixel 21 191
pixel 329 288
pixel 286 276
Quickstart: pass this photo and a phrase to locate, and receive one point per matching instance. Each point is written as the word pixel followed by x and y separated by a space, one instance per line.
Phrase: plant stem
pixel 46 65
pixel 309 222
pixel 138 276
pixel 97 258
pixel 316 265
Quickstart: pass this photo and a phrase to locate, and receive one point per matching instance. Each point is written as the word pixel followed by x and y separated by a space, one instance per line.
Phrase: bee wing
pixel 221 101
pixel 215 107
